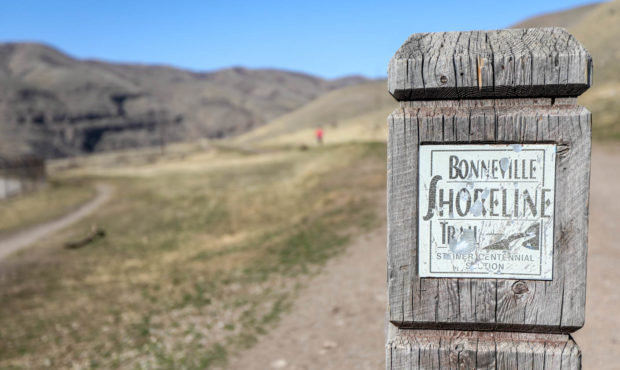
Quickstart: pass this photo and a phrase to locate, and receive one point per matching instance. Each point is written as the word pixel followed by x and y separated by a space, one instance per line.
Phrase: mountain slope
pixel 597 27
pixel 62 106
pixel 359 112
pixel 351 113
pixel 566 18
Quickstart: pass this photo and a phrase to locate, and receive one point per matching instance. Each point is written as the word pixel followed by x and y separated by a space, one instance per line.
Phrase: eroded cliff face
pixel 59 106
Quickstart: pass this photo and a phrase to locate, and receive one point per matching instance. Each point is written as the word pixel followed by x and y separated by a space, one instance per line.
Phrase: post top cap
pixel 509 63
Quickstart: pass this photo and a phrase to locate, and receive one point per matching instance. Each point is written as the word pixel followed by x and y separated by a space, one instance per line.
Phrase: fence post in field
pixel 488 180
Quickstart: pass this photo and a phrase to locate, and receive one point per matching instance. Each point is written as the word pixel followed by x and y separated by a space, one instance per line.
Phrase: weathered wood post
pixel 488 179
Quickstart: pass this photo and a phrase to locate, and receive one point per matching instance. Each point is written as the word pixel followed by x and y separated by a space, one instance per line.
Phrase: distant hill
pixel 566 18
pixel 360 112
pixel 56 105
pixel 351 113
pixel 597 27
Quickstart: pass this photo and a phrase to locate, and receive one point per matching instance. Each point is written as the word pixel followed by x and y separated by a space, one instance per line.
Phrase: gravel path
pixel 337 320
pixel 14 242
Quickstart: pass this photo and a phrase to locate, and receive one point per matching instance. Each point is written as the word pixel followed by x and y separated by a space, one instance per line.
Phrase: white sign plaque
pixel 486 211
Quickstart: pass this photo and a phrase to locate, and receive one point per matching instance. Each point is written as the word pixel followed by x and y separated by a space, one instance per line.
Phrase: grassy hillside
pixel 201 256
pixel 566 18
pixel 599 31
pixel 352 113
pixel 359 112
pixel 598 28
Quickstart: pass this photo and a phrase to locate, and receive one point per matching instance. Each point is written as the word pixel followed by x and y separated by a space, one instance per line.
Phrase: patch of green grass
pixel 216 355
pixel 311 244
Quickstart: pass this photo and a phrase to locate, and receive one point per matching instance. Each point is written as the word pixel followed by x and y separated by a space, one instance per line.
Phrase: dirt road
pixel 24 238
pixel 337 321
pixel 599 339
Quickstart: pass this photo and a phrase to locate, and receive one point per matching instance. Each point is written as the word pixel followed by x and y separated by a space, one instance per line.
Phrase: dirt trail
pixel 336 322
pixel 599 339
pixel 14 242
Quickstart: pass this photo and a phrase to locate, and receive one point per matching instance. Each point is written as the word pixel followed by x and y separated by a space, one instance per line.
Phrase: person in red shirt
pixel 319 136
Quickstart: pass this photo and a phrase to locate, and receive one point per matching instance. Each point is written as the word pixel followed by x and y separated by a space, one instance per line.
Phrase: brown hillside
pixel 566 18
pixel 358 112
pixel 62 106
pixel 351 113
pixel 597 26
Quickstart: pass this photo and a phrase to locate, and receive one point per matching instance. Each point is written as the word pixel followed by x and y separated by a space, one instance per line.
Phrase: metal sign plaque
pixel 486 211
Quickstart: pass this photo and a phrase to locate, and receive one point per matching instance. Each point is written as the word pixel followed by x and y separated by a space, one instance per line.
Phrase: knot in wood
pixel 520 287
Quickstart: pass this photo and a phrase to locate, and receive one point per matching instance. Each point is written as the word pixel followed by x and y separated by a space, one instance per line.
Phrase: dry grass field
pixel 56 199
pixel 202 255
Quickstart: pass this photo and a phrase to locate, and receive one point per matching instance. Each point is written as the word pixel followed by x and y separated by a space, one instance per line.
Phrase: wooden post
pixel 488 180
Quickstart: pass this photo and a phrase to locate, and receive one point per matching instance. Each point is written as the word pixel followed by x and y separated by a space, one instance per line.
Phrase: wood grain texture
pixel 533 62
pixel 555 306
pixel 443 349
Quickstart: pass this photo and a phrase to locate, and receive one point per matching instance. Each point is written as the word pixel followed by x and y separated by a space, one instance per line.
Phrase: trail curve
pixel 22 239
